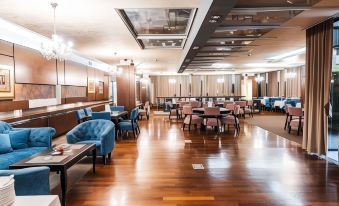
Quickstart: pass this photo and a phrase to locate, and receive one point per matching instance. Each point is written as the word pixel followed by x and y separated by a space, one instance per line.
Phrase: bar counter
pixel 61 117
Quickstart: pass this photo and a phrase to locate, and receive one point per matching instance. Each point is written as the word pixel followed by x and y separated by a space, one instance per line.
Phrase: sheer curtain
pixel 317 86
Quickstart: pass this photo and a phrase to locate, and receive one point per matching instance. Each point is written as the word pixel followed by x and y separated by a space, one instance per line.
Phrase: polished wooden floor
pixel 259 169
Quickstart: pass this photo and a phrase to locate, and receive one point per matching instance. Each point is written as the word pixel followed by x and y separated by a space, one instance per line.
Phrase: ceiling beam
pixel 219 8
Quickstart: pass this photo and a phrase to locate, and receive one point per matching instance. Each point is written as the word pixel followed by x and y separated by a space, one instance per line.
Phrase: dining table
pixel 202 110
pixel 115 116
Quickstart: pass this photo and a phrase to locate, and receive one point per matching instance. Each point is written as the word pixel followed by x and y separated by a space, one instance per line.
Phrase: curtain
pixel 294 85
pixel 317 86
pixel 273 84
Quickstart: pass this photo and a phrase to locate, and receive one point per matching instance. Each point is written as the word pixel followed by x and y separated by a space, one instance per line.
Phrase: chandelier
pixel 56 48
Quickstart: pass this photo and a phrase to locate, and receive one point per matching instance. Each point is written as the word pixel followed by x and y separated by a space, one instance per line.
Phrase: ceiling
pixel 98 31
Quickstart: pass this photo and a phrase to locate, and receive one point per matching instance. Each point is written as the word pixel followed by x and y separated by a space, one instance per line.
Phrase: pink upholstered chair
pixel 214 120
pixel 190 118
pixel 228 102
pixel 145 111
pixel 287 115
pixel 249 109
pixel 174 111
pixel 230 106
pixel 242 105
pixel 195 104
pixel 296 119
pixel 232 119
pixel 181 105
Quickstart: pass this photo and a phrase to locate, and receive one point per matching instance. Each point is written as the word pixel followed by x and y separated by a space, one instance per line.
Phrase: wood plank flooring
pixel 259 169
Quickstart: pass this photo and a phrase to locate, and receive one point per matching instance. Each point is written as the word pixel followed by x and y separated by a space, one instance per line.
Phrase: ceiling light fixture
pixel 221 65
pixel 259 78
pixel 195 48
pixel 56 49
pixel 288 54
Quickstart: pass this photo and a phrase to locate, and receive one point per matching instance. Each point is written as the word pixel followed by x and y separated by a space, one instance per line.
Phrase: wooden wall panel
pixel 75 99
pixel 34 123
pixel 73 91
pixel 6 48
pixel 61 72
pixel 75 74
pixel 106 89
pixel 32 68
pixel 126 88
pixel 6 106
pixel 63 123
pixel 34 91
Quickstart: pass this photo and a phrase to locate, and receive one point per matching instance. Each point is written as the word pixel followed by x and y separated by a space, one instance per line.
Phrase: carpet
pixel 274 122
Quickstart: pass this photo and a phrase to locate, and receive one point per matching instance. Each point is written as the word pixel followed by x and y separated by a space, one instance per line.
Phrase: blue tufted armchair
pixel 131 124
pixel 30 181
pixel 100 132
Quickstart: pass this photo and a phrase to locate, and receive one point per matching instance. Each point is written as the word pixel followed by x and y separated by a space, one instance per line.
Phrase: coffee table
pixel 74 156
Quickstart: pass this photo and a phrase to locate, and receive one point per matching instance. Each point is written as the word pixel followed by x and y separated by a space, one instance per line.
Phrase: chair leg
pixel 109 155
pixel 134 134
pixel 189 127
pixel 183 126
pixel 289 129
pixel 286 122
pixel 104 159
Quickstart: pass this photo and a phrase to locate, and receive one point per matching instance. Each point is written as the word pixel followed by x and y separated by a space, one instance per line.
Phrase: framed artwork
pixel 5 80
pixel 91 86
pixel 101 87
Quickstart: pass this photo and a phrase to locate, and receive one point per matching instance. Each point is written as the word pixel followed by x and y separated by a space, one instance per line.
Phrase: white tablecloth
pixel 39 200
pixel 279 103
pixel 263 101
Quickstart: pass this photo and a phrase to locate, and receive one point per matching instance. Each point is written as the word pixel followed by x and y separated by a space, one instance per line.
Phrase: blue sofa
pixel 28 141
pixel 30 181
pixel 99 131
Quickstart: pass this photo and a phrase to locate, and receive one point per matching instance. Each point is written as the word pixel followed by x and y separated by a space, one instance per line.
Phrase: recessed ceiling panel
pixel 160 21
pixel 275 3
pixel 162 43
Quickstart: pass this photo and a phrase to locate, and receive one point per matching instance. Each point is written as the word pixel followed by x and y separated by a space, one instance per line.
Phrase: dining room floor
pixel 257 168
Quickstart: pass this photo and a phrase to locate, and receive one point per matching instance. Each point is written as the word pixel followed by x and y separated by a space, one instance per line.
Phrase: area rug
pixel 275 124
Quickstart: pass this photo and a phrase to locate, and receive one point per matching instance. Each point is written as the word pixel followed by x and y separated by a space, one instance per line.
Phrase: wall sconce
pixel 259 78
pixel 220 80
pixel 290 75
pixel 172 81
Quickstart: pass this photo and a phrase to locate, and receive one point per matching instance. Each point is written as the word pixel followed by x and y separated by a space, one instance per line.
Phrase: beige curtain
pixel 163 87
pixel 293 85
pixel 263 85
pixel 317 86
pixel 273 84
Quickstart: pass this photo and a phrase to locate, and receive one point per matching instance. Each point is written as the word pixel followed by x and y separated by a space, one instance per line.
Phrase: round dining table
pixel 202 110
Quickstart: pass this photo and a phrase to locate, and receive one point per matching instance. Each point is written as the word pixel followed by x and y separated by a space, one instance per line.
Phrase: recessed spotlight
pixel 289 2
pixel 195 48
pixel 187 60
pixel 222 42
pixel 216 17
pixel 212 21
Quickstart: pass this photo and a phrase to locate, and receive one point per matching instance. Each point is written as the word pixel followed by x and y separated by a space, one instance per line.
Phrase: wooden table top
pixel 74 155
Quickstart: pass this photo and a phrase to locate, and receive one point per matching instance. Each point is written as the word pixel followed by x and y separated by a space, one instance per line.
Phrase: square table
pixel 74 156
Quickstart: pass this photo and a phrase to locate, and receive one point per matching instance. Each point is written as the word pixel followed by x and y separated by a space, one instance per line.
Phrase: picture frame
pixel 91 86
pixel 101 87
pixel 5 80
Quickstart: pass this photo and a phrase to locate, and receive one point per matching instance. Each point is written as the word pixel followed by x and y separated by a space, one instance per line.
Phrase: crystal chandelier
pixel 56 49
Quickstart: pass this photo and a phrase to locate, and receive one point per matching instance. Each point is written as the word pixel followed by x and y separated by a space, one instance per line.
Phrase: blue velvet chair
pixel 25 142
pixel 80 115
pixel 88 111
pixel 101 115
pixel 30 181
pixel 117 108
pixel 100 132
pixel 130 124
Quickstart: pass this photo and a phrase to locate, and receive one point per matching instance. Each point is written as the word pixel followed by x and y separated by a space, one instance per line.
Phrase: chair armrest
pixel 107 139
pixel 41 137
pixel 30 181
